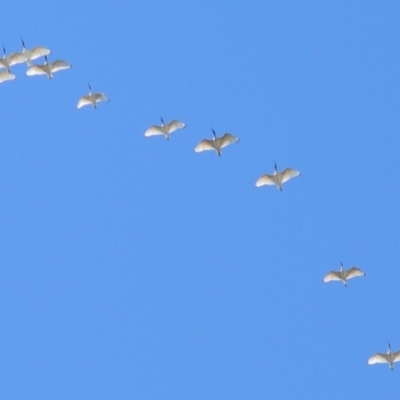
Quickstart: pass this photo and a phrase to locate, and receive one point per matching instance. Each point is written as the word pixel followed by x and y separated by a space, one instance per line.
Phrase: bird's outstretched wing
pixel 378 358
pixel 332 276
pixel 153 131
pixel 6 76
pixel 83 101
pixel 101 97
pixel 289 173
pixel 36 70
pixel 228 139
pixel 353 272
pixel 59 65
pixel 39 51
pixel 174 125
pixel 396 356
pixel 17 58
pixel 204 145
pixel 265 180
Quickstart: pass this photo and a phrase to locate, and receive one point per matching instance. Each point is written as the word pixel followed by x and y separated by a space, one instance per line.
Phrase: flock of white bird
pixel 215 143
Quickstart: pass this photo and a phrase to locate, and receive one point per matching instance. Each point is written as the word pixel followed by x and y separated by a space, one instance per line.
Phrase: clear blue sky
pixel 134 268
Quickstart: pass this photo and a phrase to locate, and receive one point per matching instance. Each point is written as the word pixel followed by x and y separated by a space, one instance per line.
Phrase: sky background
pixel 134 268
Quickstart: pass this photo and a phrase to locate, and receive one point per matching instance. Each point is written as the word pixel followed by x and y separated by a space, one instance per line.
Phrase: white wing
pixel 332 276
pixel 154 130
pixel 6 76
pixel 59 65
pixel 396 356
pixel 353 272
pixel 228 139
pixel 378 358
pixel 2 64
pixel 83 101
pixel 36 70
pixel 174 125
pixel 38 51
pixel 289 173
pixel 17 58
pixel 100 97
pixel 205 145
pixel 265 180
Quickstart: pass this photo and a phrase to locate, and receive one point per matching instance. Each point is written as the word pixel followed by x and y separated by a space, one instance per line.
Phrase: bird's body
pixel 277 178
pixel 216 143
pixel 92 98
pixel 48 68
pixel 164 129
pixel 389 358
pixel 8 61
pixel 6 76
pixel 343 274
pixel 32 54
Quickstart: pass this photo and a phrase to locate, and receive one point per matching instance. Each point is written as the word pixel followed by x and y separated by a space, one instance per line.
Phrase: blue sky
pixel 134 268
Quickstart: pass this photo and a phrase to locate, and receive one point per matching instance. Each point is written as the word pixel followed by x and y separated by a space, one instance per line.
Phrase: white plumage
pixel 27 55
pixel 8 61
pixel 216 143
pixel 343 274
pixel 388 358
pixel 91 99
pixel 48 68
pixel 6 76
pixel 164 129
pixel 277 178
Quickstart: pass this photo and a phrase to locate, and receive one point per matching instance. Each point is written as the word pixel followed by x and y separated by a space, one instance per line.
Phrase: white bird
pixel 48 68
pixel 6 76
pixel 216 143
pixel 8 61
pixel 277 178
pixel 389 358
pixel 32 54
pixel 164 129
pixel 92 99
pixel 343 275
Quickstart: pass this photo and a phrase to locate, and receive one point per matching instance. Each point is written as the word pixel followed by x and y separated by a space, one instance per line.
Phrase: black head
pixel 162 121
pixel 215 136
pixel 276 168
pixel 45 57
pixel 23 44
pixel 89 87
pixel 4 50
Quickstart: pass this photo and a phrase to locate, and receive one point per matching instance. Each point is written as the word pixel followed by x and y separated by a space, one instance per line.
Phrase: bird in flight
pixel 27 55
pixel 48 68
pixel 277 178
pixel 164 129
pixel 389 358
pixel 216 143
pixel 343 274
pixel 91 98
